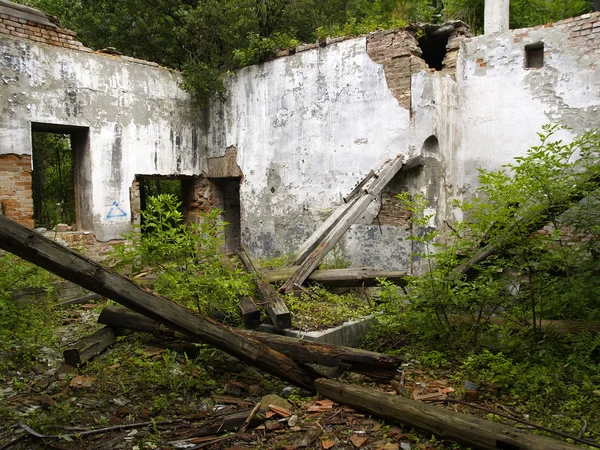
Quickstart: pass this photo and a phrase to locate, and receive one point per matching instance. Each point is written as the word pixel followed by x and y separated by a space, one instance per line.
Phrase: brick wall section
pixel 584 34
pixel 392 212
pixel 83 242
pixel 399 53
pixel 199 198
pixel 16 200
pixel 51 34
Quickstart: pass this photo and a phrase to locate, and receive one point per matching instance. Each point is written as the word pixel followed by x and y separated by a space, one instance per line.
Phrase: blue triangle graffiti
pixel 115 211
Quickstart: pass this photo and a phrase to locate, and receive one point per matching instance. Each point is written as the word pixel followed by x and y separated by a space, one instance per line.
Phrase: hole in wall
pixel 431 146
pixel 534 55
pixel 60 176
pixel 432 41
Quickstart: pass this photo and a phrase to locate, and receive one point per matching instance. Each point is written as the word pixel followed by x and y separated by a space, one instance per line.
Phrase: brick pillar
pixel 16 199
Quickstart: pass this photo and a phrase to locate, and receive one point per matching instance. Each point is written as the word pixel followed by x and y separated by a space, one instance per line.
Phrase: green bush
pixel 185 259
pixel 26 321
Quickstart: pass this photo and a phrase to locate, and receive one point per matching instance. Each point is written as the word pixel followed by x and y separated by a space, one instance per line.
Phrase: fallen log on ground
pixel 90 346
pixel 278 312
pixel 443 423
pixel 361 277
pixel 301 351
pixel 74 267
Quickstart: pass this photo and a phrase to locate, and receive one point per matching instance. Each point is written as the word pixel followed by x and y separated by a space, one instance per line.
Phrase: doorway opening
pixel 59 176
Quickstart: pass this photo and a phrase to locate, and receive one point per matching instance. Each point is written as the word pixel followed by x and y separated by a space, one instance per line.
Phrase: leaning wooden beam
pixel 300 350
pixel 442 422
pixel 371 191
pixel 74 267
pixel 340 277
pixel 90 346
pixel 278 312
pixel 322 231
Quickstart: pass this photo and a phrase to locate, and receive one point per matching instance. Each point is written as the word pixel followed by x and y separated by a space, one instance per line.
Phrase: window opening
pixel 432 41
pixel 534 55
pixel 52 179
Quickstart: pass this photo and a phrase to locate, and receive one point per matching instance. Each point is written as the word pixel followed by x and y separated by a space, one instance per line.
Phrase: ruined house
pixel 294 134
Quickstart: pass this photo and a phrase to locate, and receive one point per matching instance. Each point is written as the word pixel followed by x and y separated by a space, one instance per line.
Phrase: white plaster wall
pixel 140 121
pixel 503 105
pixel 307 128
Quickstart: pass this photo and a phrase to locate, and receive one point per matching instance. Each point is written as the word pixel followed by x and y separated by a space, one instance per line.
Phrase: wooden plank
pixel 250 313
pixel 442 422
pixel 275 306
pixel 315 238
pixel 359 186
pixel 334 235
pixel 90 346
pixel 72 266
pixel 320 233
pixel 300 350
pixel 352 277
pixel 372 189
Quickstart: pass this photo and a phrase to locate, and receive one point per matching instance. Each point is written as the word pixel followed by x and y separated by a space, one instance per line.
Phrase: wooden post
pixel 278 312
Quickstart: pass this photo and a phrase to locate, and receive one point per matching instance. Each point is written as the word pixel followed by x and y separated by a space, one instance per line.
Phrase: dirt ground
pixel 150 393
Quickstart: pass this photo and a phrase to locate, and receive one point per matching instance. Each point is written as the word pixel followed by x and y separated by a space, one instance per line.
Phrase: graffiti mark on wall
pixel 115 211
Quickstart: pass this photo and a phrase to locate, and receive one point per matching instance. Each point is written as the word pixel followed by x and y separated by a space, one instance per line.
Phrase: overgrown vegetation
pixel 26 314
pixel 52 180
pixel 205 39
pixel 490 324
pixel 184 258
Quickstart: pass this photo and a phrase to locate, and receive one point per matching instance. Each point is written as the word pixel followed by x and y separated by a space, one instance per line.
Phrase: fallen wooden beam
pixel 443 423
pixel 361 277
pixel 90 346
pixel 273 303
pixel 74 267
pixel 357 207
pixel 300 350
pixel 250 313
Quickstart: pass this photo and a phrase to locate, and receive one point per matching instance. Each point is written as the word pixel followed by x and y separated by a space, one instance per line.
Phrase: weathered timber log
pixel 275 306
pixel 340 277
pixel 325 243
pixel 74 267
pixel 300 350
pixel 321 232
pixel 250 312
pixel 443 423
pixel 90 346
pixel 525 225
pixel 359 186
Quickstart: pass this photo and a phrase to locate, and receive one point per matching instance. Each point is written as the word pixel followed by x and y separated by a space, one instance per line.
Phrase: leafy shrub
pixel 25 320
pixel 185 258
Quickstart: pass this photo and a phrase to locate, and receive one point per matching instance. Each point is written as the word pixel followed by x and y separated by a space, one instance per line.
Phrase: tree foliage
pixel 204 38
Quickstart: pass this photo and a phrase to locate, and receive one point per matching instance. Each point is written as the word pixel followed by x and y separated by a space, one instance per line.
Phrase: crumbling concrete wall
pixel 307 128
pixel 492 109
pixel 129 117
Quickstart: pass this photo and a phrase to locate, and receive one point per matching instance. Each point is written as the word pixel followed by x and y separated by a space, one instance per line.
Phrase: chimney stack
pixel 496 16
